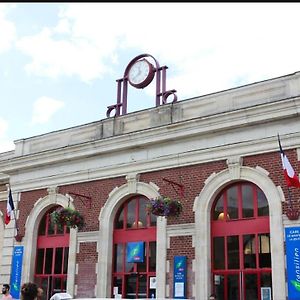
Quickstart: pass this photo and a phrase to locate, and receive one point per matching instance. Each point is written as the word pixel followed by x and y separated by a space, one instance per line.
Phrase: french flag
pixel 9 207
pixel 289 173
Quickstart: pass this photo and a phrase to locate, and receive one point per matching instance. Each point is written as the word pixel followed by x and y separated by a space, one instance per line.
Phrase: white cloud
pixel 210 46
pixel 44 108
pixel 5 143
pixel 7 29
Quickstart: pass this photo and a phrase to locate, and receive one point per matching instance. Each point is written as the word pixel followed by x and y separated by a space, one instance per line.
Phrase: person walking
pixel 29 291
pixel 6 293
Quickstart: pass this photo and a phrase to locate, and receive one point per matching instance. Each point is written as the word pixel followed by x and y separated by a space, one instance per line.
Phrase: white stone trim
pixel 31 232
pixel 105 240
pixel 202 208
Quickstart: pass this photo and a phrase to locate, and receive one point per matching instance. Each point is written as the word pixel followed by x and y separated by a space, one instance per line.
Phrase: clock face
pixel 140 74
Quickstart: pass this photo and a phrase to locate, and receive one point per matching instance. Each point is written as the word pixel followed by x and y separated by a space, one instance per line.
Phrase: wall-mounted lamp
pixel 222 216
pixel 138 224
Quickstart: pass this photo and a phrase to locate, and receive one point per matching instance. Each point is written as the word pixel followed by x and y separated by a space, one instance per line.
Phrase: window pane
pixel 219 253
pixel 120 220
pixel 141 266
pixel 262 203
pixel 131 213
pixel 232 202
pixel 118 258
pixel 249 251
pixel 50 227
pixel 233 287
pixel 40 261
pixel 233 252
pixel 251 286
pixel 66 257
pixel 266 280
pixel 142 291
pixel 264 250
pixel 152 256
pixel 48 264
pixel 118 283
pixel 129 267
pixel 219 208
pixel 42 227
pixel 58 260
pixel 57 285
pixel 247 200
pixel 153 220
pixel 142 213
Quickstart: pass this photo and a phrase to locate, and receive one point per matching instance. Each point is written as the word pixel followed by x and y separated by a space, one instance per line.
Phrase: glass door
pixel 240 243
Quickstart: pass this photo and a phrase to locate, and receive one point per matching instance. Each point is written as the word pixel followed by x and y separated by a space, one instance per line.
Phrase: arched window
pixel 52 256
pixel 241 252
pixel 133 226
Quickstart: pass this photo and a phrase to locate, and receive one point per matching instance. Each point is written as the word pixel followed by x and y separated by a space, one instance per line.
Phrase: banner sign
pixel 16 272
pixel 135 252
pixel 179 280
pixel 292 238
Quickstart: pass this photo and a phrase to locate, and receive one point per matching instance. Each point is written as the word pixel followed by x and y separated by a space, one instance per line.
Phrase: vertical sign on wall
pixel 16 273
pixel 179 277
pixel 292 238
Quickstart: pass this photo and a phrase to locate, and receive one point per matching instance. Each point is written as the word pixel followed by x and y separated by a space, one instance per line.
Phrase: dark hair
pixel 29 291
pixel 6 286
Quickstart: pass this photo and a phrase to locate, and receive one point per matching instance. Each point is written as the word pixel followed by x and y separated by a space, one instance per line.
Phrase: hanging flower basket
pixel 164 206
pixel 67 216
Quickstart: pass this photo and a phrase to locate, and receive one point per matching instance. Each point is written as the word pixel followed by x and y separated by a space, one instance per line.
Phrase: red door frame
pixel 50 237
pixel 239 227
pixel 121 236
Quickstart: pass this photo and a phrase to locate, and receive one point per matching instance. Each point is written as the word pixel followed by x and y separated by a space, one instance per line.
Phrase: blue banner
pixel 292 238
pixel 16 272
pixel 135 252
pixel 179 280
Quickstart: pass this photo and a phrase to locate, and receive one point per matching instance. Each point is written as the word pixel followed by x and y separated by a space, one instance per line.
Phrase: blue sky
pixel 60 61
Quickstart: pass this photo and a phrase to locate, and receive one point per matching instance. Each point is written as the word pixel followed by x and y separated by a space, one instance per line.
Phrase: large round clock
pixel 141 73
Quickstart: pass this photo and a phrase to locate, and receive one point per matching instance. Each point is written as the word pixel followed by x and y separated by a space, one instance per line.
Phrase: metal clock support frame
pixel 122 86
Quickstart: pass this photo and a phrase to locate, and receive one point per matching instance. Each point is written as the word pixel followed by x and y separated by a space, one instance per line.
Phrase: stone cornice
pixel 260 114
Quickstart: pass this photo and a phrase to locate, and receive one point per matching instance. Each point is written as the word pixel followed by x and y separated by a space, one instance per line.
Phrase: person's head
pixel 40 293
pixel 5 289
pixel 212 297
pixel 29 291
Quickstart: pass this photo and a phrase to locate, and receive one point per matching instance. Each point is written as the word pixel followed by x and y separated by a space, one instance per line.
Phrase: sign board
pixel 135 252
pixel 292 238
pixel 179 280
pixel 16 272
pixel 152 283
pixel 265 293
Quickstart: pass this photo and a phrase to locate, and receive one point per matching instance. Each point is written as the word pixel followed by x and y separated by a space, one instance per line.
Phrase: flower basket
pixel 68 217
pixel 164 206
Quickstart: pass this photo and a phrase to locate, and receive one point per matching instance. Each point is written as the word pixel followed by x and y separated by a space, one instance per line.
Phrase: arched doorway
pixel 134 232
pixel 240 243
pixel 52 255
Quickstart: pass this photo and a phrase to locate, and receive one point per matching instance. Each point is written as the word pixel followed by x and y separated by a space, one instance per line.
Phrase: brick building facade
pixel 205 144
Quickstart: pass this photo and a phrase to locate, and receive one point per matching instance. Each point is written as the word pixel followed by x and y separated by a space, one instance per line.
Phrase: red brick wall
pixel 191 177
pixel 98 191
pixel 181 245
pixel 26 204
pixel 86 278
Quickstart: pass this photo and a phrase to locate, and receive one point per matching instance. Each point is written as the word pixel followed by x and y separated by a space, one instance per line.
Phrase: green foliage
pixel 68 217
